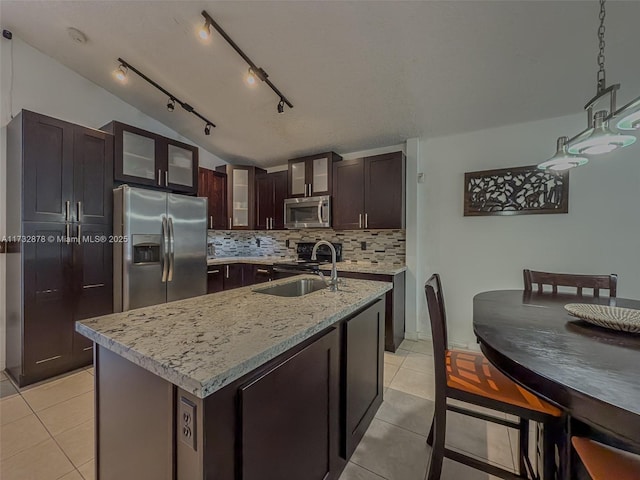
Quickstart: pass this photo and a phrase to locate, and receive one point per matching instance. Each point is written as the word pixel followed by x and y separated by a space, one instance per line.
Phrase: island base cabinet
pixel 298 416
pixel 134 420
pixel 363 373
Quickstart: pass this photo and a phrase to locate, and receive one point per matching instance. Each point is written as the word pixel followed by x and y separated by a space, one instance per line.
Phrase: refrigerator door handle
pixel 165 251
pixel 172 250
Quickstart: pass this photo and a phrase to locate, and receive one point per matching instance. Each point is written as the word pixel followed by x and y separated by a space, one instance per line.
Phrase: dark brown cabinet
pixel 215 278
pixel 394 306
pixel 364 365
pixel 312 175
pixel 146 158
pixel 60 180
pixel 292 411
pixel 369 192
pixel 241 196
pixel 271 191
pixel 213 186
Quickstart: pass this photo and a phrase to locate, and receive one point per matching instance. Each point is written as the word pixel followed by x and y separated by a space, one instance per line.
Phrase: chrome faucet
pixel 333 282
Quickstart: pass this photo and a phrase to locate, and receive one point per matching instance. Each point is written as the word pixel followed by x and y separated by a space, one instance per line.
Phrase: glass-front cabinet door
pixel 240 207
pixel 182 167
pixel 311 176
pixel 299 186
pixel 320 176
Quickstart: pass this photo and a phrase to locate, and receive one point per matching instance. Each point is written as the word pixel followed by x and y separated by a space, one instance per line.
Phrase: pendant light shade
pixel 562 160
pixel 628 118
pixel 599 139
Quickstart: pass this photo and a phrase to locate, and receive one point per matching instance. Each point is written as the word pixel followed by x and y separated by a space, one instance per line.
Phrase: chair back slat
pixel 580 282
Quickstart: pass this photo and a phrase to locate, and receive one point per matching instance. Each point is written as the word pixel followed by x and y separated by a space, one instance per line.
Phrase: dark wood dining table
pixel 591 372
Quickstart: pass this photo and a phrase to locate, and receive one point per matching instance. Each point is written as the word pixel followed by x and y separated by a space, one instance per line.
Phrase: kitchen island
pixel 238 384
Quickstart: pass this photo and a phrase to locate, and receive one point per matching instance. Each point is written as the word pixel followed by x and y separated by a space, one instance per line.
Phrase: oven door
pixel 310 212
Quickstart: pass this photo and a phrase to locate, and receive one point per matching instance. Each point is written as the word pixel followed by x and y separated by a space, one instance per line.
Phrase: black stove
pixel 304 262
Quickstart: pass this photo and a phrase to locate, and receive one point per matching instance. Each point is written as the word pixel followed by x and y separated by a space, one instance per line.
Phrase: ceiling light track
pixel 254 70
pixel 125 67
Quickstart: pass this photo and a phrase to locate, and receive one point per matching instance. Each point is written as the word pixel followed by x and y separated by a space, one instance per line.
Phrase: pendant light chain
pixel 602 82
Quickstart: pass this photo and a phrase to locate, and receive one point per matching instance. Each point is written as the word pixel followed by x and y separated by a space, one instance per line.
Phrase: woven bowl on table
pixel 615 318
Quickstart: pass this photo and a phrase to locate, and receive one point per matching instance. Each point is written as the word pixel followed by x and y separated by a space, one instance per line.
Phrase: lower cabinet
pixel 301 415
pixel 236 275
pixel 363 363
pixel 394 306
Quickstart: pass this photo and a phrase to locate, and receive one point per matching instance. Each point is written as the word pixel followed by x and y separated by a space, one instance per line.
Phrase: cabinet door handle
pixel 213 271
pixel 359 220
pixel 79 211
pixel 166 178
pixel 227 269
pixel 159 177
pixel 229 223
pixel 67 210
pixel 79 233
pixel 262 270
pixel 366 220
pixel 211 222
pixel 271 223
pixel 67 232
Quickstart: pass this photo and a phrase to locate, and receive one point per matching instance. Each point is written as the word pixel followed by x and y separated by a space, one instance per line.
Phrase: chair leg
pixel 438 427
pixel 430 437
pixel 523 443
pixel 549 437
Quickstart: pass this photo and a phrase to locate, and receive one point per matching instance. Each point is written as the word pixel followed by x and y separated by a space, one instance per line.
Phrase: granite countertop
pixel 357 267
pixel 204 343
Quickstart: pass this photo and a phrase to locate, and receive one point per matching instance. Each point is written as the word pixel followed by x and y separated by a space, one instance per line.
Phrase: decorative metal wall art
pixel 515 191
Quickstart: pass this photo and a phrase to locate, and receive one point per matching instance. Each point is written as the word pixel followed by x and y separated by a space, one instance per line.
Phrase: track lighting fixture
pixel 251 77
pixel 598 138
pixel 205 31
pixel 121 73
pixel 171 103
pixel 255 73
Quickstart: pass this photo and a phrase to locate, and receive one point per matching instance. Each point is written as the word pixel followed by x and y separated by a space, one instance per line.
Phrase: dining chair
pixel 469 377
pixel 606 463
pixel 555 280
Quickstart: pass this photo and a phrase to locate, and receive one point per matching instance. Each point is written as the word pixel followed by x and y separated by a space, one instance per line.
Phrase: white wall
pixel 599 235
pixel 43 85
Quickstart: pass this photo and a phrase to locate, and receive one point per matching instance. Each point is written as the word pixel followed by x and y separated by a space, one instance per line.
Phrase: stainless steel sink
pixel 296 288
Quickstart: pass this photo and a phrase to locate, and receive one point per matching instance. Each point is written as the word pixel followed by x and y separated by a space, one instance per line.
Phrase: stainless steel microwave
pixel 309 212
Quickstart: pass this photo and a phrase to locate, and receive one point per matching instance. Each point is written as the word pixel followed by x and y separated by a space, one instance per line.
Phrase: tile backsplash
pixel 382 246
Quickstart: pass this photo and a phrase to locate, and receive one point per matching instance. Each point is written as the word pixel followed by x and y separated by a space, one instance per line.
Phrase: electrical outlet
pixel 363 245
pixel 187 416
pixel 287 243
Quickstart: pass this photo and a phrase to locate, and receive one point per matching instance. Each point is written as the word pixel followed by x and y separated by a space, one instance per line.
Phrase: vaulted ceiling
pixel 360 74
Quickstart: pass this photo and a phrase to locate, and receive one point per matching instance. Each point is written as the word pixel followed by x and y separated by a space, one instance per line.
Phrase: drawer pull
pixel 87 348
pixel 213 271
pixel 262 270
pixel 48 359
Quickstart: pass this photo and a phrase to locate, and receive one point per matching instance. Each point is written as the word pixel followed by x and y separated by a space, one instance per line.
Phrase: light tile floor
pixel 47 430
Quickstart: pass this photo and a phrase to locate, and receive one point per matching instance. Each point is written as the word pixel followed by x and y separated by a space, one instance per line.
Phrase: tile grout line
pixel 368 470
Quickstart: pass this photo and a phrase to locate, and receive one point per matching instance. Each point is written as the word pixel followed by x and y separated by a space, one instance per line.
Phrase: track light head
pixel 121 73
pixel 207 129
pixel 171 104
pixel 205 31
pixel 281 106
pixel 251 77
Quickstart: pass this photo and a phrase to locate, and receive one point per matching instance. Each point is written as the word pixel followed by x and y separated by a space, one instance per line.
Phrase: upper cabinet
pixel 369 193
pixel 271 191
pixel 241 196
pixel 68 171
pixel 311 176
pixel 212 185
pixel 146 158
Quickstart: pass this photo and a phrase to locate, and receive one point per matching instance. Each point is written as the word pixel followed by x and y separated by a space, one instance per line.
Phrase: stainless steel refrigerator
pixel 160 247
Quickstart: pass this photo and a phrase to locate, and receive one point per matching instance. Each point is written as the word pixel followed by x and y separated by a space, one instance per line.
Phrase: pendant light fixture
pixel 598 138
pixel 562 160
